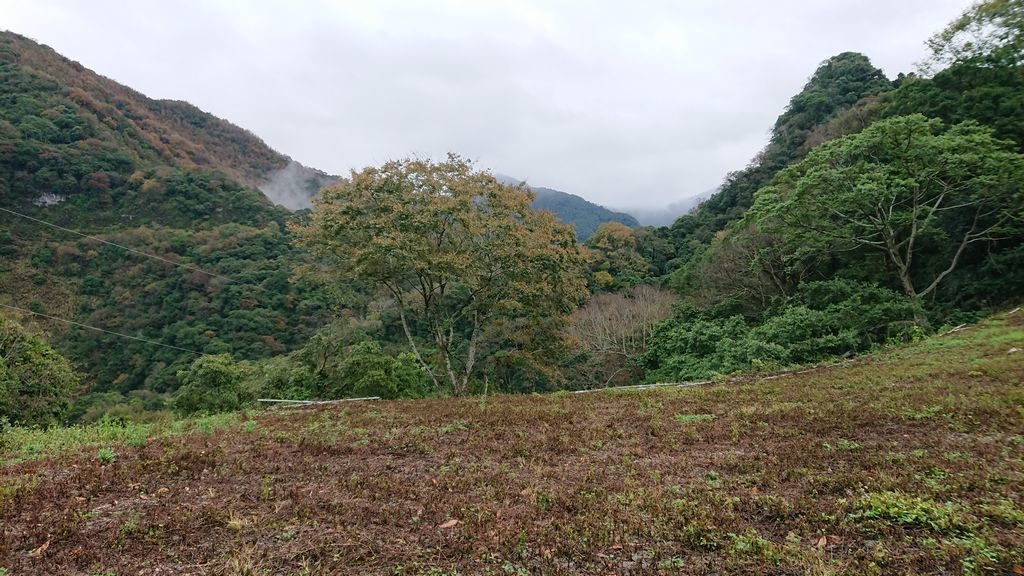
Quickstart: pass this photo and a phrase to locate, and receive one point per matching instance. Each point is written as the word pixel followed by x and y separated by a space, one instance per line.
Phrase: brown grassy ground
pixel 910 461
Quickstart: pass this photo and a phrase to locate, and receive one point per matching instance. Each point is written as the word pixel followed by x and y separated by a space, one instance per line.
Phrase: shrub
pixel 36 383
pixel 823 319
pixel 214 384
pixel 368 371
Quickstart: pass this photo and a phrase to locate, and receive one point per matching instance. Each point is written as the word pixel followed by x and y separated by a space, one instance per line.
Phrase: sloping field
pixel 909 461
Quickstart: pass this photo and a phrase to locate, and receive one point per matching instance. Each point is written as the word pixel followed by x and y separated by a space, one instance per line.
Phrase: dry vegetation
pixel 909 461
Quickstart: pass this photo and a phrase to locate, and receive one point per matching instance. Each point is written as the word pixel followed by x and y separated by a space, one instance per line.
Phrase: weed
pixel 212 423
pixel 673 563
pixel 921 413
pixel 514 570
pixel 976 555
pixel 934 478
pixel 106 455
pixel 452 427
pixel 266 488
pixel 131 524
pixel 544 500
pixel 237 522
pixel 1004 511
pixel 689 418
pixel 909 511
pixel 749 544
pixel 245 562
pixel 842 445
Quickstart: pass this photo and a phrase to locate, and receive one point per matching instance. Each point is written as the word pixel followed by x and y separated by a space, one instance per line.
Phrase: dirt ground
pixel 909 461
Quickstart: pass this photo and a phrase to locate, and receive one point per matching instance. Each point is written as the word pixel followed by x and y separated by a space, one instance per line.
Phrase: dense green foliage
pixel 36 383
pixel 990 95
pixel 877 210
pixel 927 200
pixel 821 320
pixel 836 86
pixel 912 187
pixel 213 384
pixel 460 255
pixel 154 177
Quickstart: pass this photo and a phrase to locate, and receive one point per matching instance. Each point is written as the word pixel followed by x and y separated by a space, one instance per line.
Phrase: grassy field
pixel 908 461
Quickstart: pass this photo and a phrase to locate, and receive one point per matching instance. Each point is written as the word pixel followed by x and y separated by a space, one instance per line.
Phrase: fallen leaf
pixel 1018 569
pixel 449 524
pixel 822 541
pixel 39 551
pixel 834 539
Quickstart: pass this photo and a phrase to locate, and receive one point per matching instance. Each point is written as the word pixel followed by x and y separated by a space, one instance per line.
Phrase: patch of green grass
pixel 1004 511
pixel 921 413
pixel 12 487
pixel 842 445
pixel 751 545
pixel 452 427
pixel 909 511
pixel 977 556
pixel 19 443
pixel 690 418
pixel 214 422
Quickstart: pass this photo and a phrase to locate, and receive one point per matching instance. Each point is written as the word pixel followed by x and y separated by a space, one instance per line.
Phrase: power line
pixel 132 250
pixel 154 342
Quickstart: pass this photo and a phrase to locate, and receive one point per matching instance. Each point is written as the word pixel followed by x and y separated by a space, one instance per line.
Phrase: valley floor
pixel 908 461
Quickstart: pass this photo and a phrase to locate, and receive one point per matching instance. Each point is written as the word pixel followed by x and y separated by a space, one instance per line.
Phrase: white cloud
pixel 642 103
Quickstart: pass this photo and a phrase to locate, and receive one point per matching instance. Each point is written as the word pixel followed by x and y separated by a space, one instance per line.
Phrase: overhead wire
pixel 146 340
pixel 133 251
pixel 129 249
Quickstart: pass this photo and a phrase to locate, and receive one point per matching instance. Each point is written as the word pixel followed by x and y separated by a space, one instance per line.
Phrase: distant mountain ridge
pixel 583 214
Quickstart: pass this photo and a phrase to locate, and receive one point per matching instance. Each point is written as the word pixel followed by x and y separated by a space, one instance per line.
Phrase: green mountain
pixel 584 215
pixel 133 175
pixel 137 175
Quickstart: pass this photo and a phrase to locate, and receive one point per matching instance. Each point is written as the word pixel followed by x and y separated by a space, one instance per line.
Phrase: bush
pixel 214 384
pixel 822 320
pixel 368 371
pixel 36 383
pixel 285 377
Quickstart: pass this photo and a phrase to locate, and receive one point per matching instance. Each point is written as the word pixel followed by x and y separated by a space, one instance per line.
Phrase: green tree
pixel 36 383
pixel 453 247
pixel 613 250
pixel 991 31
pixel 908 189
pixel 213 384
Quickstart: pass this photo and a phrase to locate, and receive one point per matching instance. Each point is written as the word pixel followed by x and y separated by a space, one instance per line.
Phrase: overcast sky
pixel 636 103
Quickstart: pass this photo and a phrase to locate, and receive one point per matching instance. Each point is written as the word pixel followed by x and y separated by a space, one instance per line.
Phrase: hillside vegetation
pixel 882 210
pixel 907 461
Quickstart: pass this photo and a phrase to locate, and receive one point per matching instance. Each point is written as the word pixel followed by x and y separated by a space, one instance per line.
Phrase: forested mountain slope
pixel 585 216
pixel 136 174
pixel 86 106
